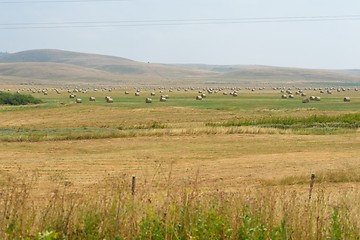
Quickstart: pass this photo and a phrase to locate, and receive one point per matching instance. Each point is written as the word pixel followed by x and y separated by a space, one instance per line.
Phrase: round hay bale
pixel 92 99
pixel 109 99
pixel 346 99
pixel 199 97
pixel 148 100
pixel 78 100
pixel 72 96
pixel 317 98
pixel 284 96
pixel 137 94
pixel 306 100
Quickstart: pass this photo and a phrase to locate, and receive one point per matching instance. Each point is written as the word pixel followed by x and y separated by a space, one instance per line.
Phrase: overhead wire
pixel 341 17
pixel 168 22
pixel 174 22
pixel 59 1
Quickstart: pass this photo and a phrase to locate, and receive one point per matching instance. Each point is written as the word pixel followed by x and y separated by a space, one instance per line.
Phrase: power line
pixel 312 18
pixel 163 22
pixel 59 1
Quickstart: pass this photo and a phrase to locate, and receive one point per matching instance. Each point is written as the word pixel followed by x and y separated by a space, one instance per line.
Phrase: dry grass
pixel 132 137
pixel 164 210
pixel 174 154
pixel 223 161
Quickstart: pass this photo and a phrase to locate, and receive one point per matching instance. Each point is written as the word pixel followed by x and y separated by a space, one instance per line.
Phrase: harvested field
pixel 224 160
pixel 85 142
pixel 213 144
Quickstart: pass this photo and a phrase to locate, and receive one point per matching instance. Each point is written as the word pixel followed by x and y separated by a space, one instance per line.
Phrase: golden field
pixel 181 141
pixel 134 138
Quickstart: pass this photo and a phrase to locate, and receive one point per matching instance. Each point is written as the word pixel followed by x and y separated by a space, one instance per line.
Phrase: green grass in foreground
pixel 111 211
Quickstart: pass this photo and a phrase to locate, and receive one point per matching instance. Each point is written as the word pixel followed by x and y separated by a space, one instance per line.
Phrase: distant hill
pixel 55 66
pixel 269 75
pixel 352 71
pixel 58 67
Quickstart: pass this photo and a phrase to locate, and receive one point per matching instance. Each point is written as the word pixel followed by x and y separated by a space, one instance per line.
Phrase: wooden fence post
pixel 311 185
pixel 133 185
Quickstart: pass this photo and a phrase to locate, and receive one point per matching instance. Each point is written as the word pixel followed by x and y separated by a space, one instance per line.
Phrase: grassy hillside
pixel 63 67
pixel 292 75
pixel 55 66
pixel 355 72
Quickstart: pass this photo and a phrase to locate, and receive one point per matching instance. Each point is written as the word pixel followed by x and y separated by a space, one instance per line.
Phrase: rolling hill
pixel 63 67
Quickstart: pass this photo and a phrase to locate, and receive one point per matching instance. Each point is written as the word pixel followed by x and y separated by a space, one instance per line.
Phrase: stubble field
pixel 222 143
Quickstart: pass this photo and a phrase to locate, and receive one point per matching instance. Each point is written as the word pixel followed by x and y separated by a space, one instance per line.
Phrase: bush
pixel 17 99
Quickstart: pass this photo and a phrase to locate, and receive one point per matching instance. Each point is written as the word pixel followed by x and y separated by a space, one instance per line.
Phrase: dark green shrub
pixel 17 99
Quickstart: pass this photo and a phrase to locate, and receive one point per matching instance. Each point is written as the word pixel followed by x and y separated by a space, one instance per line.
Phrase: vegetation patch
pixel 146 125
pixel 316 122
pixel 53 134
pixel 334 176
pixel 17 99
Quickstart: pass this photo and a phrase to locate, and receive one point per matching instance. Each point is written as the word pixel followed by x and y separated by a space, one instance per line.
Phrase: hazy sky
pixel 331 44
